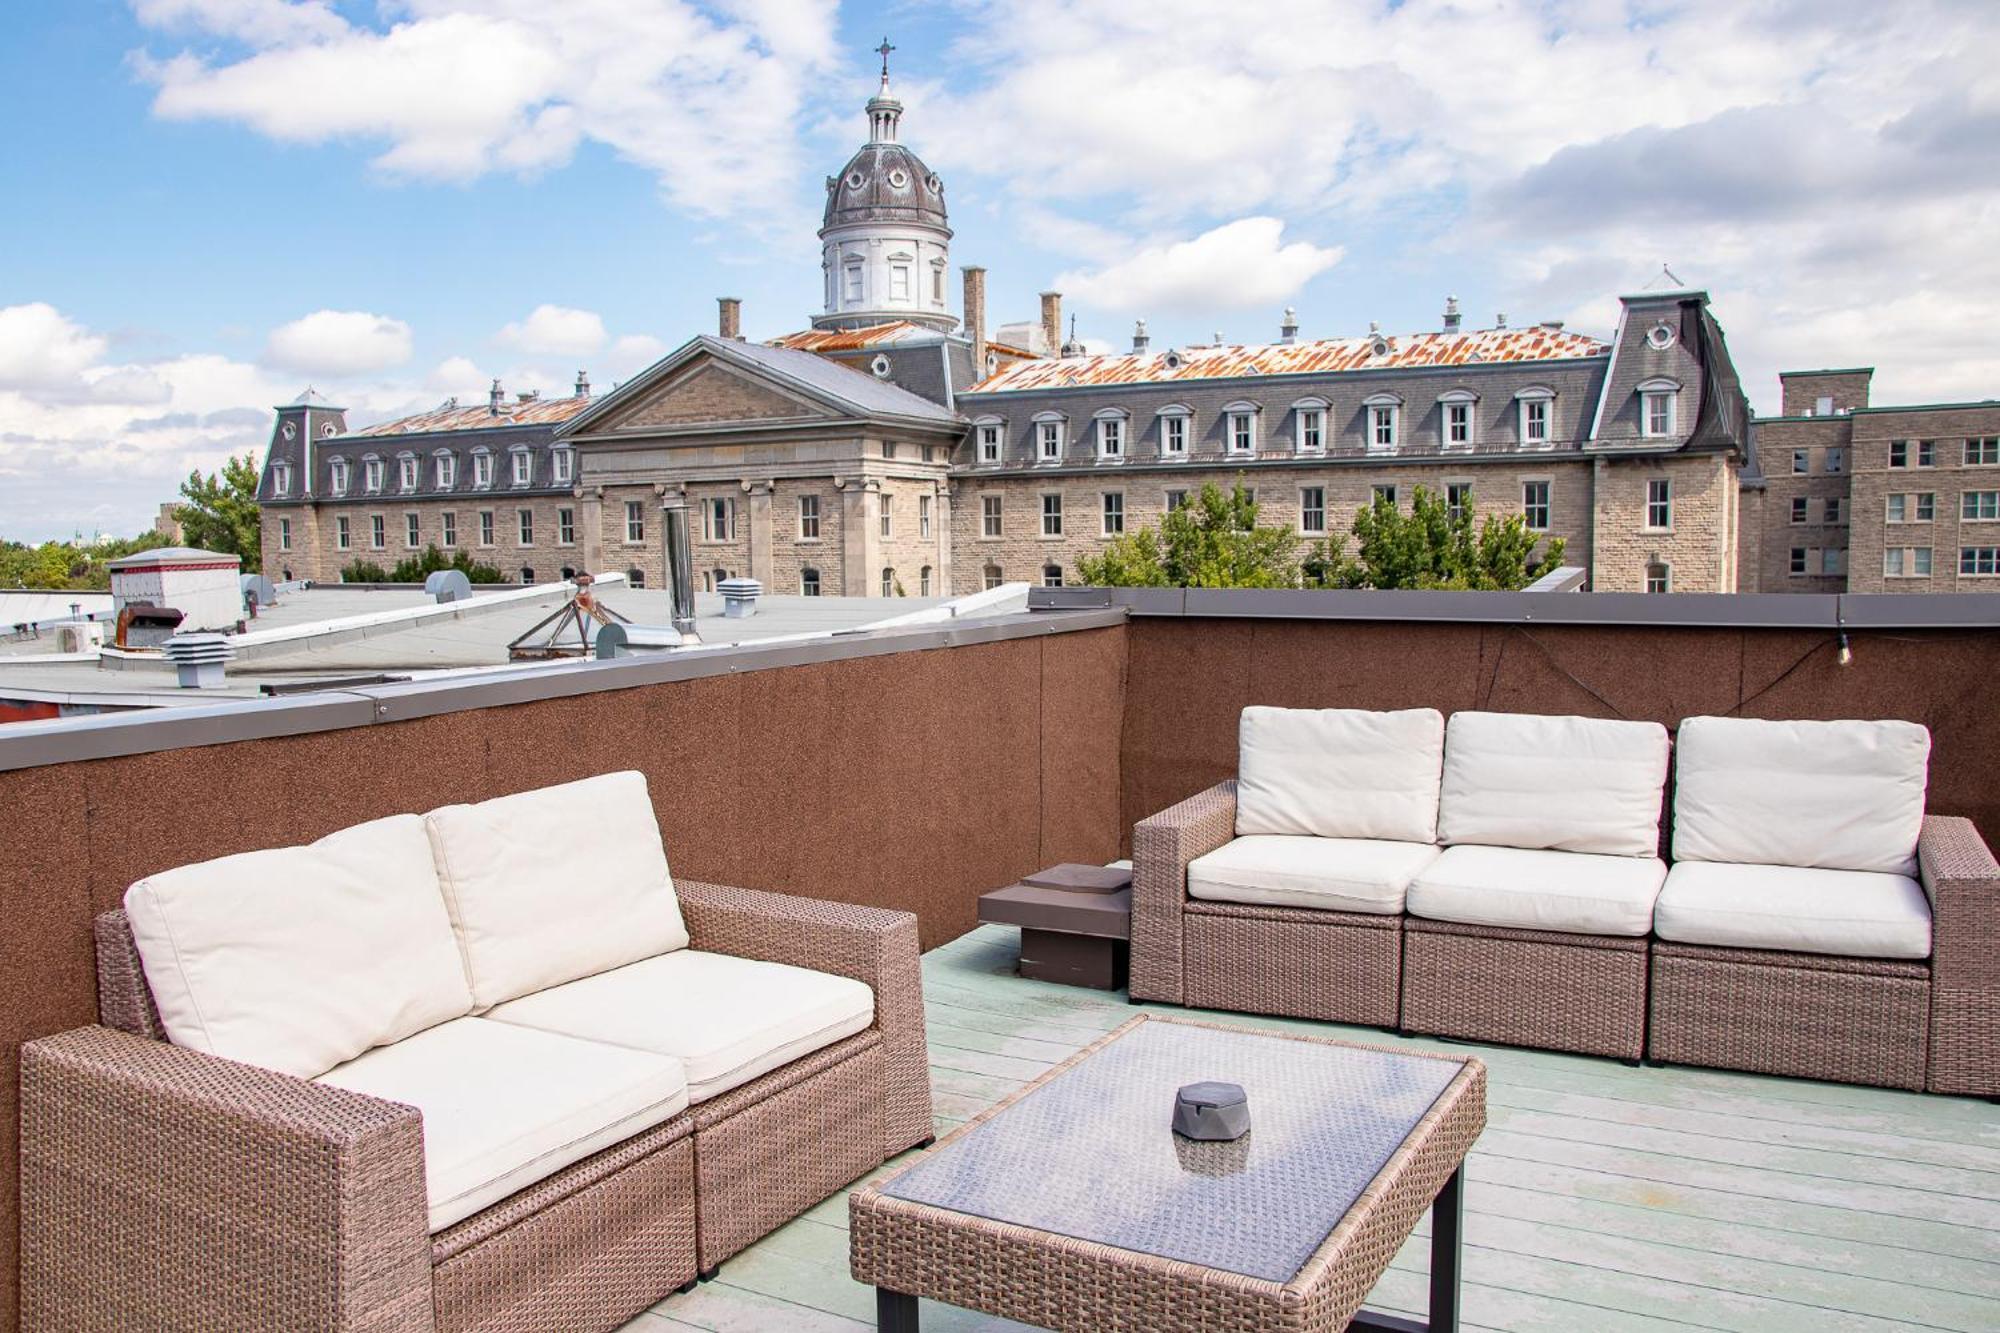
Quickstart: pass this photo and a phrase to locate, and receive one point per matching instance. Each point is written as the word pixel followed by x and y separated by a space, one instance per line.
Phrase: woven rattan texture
pixel 165 1189
pixel 585 1264
pixel 1061 1282
pixel 1525 987
pixel 1773 1013
pixel 124 1000
pixel 1341 967
pixel 1162 846
pixel 772 1160
pixel 1963 882
pixel 870 944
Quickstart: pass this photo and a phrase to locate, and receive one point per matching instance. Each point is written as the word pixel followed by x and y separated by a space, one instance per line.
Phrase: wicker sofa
pixel 490 1068
pixel 1816 922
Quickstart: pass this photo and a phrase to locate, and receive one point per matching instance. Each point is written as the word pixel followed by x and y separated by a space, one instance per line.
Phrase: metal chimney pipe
pixel 680 562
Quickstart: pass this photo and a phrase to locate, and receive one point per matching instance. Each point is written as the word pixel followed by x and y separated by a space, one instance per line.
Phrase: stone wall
pixel 1698 547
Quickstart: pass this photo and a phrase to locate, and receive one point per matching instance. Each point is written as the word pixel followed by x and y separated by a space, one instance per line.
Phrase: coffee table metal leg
pixel 895 1312
pixel 1447 1227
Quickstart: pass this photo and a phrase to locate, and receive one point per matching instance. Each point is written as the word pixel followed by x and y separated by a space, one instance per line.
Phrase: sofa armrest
pixel 1963 883
pixel 163 1187
pixel 1162 846
pixel 870 944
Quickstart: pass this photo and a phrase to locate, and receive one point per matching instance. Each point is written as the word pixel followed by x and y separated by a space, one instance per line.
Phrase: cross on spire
pixel 883 50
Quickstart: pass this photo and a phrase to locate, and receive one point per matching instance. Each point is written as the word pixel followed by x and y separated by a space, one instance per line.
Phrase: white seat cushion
pixel 1579 892
pixel 1339 772
pixel 1331 874
pixel 298 958
pixel 1572 784
pixel 1838 795
pixel 547 886
pixel 726 1019
pixel 1853 913
pixel 506 1106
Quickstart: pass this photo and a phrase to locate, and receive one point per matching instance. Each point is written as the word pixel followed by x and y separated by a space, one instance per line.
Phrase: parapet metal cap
pixel 172 555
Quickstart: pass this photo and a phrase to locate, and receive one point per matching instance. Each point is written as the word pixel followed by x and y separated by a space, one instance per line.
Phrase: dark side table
pixel 1075 920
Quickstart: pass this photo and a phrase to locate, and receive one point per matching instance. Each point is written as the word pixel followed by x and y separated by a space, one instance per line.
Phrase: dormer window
pixel 990 438
pixel 1658 401
pixel 281 478
pixel 1049 437
pixel 406 472
pixel 1537 408
pixel 1176 425
pixel 1309 425
pixel 1111 429
pixel 482 469
pixel 339 468
pixel 445 467
pixel 1384 422
pixel 1455 420
pixel 564 463
pixel 371 474
pixel 1239 428
pixel 523 465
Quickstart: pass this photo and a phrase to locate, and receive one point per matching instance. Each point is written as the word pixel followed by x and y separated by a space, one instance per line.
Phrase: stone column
pixel 942 535
pixel 760 537
pixel 591 517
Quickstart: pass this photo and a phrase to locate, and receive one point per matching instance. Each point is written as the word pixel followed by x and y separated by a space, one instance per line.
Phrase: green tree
pixel 221 514
pixel 1433 546
pixel 79 568
pixel 417 568
pixel 1213 541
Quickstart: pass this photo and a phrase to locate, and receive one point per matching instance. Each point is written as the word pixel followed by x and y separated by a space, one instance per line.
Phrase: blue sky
pixel 216 202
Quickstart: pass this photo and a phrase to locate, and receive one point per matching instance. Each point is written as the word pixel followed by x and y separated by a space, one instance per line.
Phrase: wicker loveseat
pixel 1499 878
pixel 485 1069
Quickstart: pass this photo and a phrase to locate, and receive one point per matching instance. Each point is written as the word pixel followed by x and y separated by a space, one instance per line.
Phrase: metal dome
pixel 885 182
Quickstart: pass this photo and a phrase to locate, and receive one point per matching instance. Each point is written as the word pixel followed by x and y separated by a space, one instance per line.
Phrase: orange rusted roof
pixel 853 340
pixel 1402 351
pixel 538 412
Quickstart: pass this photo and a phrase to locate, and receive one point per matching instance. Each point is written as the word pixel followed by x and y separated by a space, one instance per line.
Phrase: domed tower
pixel 885 245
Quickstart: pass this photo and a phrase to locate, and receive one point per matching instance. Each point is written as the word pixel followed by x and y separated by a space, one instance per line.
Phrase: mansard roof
pixel 450 416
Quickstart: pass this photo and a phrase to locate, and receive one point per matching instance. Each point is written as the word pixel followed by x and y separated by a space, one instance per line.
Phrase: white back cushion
pixel 1570 784
pixel 1339 772
pixel 1837 795
pixel 300 958
pixel 547 886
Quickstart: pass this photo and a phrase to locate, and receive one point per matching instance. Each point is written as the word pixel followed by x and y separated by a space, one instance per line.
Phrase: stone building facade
pixel 893 448
pixel 1843 496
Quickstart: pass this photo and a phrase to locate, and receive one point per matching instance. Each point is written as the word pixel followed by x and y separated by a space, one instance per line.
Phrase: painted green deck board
pixel 1601 1199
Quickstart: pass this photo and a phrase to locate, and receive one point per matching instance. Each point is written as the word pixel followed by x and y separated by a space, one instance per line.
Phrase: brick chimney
pixel 1051 323
pixel 729 323
pixel 975 317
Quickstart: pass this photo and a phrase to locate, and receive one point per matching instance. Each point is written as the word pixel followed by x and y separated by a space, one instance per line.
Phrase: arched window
pixel 1382 420
pixel 1309 425
pixel 1052 576
pixel 1113 426
pixel 1659 403
pixel 1051 432
pixel 1176 429
pixel 989 440
pixel 924 581
pixel 371 473
pixel 635 578
pixel 888 583
pixel 1239 428
pixel 809 582
pixel 1537 407
pixel 990 576
pixel 527 574
pixel 445 468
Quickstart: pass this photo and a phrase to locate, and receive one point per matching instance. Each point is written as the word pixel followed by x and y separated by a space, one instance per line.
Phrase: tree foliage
pixel 60 565
pixel 1212 541
pixel 1433 546
pixel 417 568
pixel 219 511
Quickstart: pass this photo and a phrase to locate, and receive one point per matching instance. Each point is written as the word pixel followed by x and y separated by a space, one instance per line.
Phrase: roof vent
pixel 739 597
pixel 1452 319
pixel 1554 324
pixel 448 585
pixel 1288 330
pixel 199 659
pixel 530 396
pixel 583 384
pixel 495 397
pixel 1500 320
pixel 1140 342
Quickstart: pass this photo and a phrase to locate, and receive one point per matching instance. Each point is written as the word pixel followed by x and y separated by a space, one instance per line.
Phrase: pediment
pixel 709 393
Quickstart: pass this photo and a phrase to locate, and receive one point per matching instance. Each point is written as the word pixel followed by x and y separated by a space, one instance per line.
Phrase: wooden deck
pixel 1601 1198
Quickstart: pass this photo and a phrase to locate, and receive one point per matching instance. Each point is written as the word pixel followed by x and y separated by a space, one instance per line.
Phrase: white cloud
pixel 708 101
pixel 457 376
pixel 633 353
pixel 338 342
pixel 40 349
pixel 1236 266
pixel 553 330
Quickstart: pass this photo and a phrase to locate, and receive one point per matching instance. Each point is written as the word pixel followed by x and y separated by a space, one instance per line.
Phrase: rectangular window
pixel 888 448
pixel 1833 560
pixel 1798 563
pixel 371 474
pixel 1899 453
pixel 853 282
pixel 1052 576
pixel 808 518
pixel 1111 437
pixel 343 534
pixel 718 520
pixel 1382 427
pixel 448 528
pixel 1175 500
pixel 1802 462
pixel 635 521
pixel 1833 509
pixel 1659 417
pixel 412 532
pixel 1312 429
pixel 1823 407
pixel 1242 432
pixel 1052 515
pixel 447 470
pixel 1660 503
pixel 406 474
pixel 1892 562
pixel 887 520
pixel 1312 509
pixel 923 515
pixel 1836 458
pixel 1049 433
pixel 1926 506
pixel 378 531
pixel 523 468
pixel 1535 505
pixel 1983 452
pixel 281 479
pixel 1800 505
pixel 565 466
pixel 527 526
pixel 899 282
pixel 989 444
pixel 1926 453
pixel 1920 560
pixel 1535 422
pixel 809 582
pixel 1458 498
pixel 1911 562
pixel 1458 424
pixel 1895 510
pixel 924 581
pixel 482 469
pixel 1114 513
pixel 486 527
pixel 1659 578
pixel 1385 491
pixel 1173 436
pixel 989 516
pixel 565 527
pixel 888 583
pixel 992 577
pixel 284 534
pixel 1979 506
pixel 1979 560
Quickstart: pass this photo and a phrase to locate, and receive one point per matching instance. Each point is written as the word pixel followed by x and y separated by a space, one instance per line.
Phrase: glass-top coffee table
pixel 1073 1205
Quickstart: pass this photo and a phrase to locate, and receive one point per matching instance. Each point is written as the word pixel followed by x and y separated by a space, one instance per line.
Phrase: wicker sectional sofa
pixel 489 1068
pixel 1500 878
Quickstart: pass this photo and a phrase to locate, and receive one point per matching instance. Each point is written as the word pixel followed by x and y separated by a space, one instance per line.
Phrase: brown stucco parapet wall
pixel 910 769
